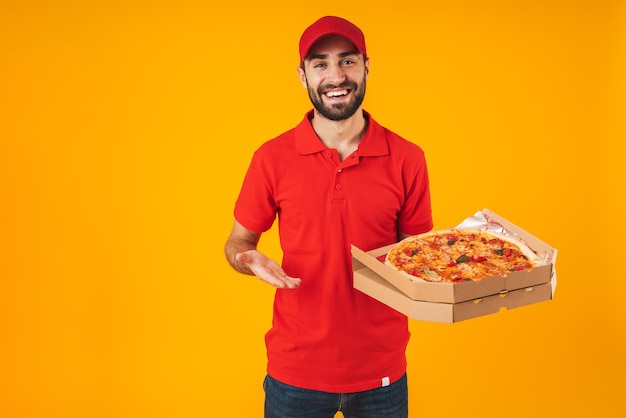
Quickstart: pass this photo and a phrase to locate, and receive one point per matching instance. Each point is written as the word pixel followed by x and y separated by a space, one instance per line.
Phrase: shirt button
pixel 329 154
pixel 339 171
pixel 338 186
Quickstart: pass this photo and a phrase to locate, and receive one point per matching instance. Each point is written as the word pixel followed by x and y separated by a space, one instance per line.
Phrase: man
pixel 338 178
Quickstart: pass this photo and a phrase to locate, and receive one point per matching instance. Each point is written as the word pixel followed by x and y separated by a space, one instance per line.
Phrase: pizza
pixel 458 255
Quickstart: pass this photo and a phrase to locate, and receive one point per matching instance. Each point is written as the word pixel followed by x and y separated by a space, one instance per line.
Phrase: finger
pixel 270 276
pixel 285 280
pixel 292 282
pixel 281 281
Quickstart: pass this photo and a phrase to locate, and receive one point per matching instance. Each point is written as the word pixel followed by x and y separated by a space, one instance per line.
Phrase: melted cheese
pixel 459 255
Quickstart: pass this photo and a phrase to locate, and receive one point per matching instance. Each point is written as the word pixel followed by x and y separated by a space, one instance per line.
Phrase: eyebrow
pixel 341 55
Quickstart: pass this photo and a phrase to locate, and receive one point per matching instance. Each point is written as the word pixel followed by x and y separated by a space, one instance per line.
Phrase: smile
pixel 336 93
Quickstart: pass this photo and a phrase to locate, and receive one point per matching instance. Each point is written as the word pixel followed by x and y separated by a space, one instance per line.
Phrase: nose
pixel 335 73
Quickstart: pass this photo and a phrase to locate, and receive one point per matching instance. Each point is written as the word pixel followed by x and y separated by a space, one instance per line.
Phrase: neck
pixel 343 135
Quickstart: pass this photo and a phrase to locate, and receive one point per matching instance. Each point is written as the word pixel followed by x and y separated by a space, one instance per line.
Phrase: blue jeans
pixel 285 401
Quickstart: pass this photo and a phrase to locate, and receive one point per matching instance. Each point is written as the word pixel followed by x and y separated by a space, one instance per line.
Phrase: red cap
pixel 331 25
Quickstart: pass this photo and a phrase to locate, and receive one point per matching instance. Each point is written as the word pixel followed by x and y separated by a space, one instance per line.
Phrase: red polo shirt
pixel 326 335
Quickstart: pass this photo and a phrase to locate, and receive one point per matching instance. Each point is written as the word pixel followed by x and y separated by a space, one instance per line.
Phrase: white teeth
pixel 336 93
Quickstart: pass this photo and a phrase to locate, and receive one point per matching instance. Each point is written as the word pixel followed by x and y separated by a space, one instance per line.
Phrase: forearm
pixel 242 254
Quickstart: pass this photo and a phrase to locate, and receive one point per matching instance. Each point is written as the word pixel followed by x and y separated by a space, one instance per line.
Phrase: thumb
pixel 243 258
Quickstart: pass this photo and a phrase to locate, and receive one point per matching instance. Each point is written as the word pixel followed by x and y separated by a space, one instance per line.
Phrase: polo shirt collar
pixel 373 144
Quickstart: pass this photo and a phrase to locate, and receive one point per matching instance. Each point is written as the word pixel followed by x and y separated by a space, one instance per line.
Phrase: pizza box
pixel 374 285
pixel 415 297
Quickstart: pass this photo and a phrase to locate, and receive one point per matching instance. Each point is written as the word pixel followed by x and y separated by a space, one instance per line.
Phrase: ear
pixel 367 67
pixel 302 76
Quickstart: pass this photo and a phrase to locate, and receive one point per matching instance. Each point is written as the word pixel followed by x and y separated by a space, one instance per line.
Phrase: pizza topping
pixel 451 239
pixel 456 256
pixel 432 275
pixel 478 258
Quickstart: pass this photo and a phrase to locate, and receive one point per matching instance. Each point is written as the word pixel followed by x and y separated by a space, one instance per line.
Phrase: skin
pixel 334 74
pixel 331 63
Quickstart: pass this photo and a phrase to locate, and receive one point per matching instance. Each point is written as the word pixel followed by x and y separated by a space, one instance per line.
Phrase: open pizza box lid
pixel 450 302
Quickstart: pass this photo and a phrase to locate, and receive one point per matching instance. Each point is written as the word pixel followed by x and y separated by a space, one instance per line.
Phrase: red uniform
pixel 326 335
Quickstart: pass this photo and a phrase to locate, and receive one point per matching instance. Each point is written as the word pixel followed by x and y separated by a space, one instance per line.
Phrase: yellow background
pixel 125 131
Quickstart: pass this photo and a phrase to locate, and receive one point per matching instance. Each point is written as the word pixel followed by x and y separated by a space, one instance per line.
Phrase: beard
pixel 338 111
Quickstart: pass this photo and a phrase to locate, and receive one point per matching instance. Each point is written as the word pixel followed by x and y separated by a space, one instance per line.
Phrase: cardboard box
pixel 453 302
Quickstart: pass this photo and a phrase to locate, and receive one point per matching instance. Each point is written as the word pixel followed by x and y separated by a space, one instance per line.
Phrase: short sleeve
pixel 416 214
pixel 255 207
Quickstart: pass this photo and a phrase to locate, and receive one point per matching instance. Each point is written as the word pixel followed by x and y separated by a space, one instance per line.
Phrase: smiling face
pixel 335 75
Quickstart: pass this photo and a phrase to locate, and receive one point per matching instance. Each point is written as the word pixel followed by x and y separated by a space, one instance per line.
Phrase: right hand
pixel 267 270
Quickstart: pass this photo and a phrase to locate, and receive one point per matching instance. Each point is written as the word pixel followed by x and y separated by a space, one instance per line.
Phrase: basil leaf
pixel 431 274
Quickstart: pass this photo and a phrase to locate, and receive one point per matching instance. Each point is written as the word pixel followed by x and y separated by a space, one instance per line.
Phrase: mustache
pixel 346 84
